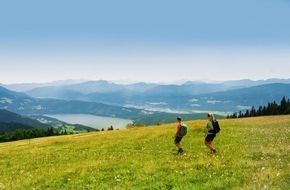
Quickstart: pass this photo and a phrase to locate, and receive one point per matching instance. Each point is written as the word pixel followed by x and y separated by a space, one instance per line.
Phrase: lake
pixel 97 122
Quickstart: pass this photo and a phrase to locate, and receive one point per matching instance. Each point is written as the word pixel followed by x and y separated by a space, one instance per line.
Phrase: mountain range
pixel 142 102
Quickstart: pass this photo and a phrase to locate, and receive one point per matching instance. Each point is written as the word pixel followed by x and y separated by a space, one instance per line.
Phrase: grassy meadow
pixel 252 153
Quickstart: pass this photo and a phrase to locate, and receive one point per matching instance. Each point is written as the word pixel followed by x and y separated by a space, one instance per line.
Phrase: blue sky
pixel 150 41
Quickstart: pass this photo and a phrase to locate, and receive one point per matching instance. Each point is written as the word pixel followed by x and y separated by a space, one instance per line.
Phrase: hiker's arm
pixel 178 130
pixel 209 127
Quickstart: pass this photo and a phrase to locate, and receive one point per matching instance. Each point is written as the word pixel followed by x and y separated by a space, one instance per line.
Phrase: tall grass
pixel 253 153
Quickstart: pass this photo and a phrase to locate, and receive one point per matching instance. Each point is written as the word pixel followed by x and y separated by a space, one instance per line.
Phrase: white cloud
pixel 195 105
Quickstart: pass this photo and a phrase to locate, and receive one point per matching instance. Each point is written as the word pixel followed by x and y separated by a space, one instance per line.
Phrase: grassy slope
pixel 253 153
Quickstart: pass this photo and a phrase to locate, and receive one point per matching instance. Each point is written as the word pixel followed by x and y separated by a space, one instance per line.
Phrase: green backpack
pixel 183 130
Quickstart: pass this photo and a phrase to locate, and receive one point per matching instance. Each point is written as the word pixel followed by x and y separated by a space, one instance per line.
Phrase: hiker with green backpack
pixel 180 133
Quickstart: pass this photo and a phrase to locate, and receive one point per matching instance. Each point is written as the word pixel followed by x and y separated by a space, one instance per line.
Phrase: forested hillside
pixel 271 109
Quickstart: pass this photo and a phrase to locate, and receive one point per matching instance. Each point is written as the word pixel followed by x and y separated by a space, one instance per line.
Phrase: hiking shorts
pixel 209 137
pixel 177 139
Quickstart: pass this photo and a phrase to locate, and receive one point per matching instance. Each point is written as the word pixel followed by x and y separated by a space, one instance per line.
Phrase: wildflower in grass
pixel 117 178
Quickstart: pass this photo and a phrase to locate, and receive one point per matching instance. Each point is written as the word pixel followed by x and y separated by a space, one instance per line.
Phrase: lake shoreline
pixel 94 121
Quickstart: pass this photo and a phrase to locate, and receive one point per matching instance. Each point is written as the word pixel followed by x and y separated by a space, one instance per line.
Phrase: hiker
pixel 178 136
pixel 210 134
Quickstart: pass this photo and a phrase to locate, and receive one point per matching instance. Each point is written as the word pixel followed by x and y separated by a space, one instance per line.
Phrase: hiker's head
pixel 210 116
pixel 178 118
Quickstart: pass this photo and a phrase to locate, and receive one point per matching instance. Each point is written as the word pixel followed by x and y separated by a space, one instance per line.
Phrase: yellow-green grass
pixel 252 153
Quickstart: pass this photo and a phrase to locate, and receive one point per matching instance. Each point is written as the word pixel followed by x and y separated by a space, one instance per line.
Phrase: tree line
pixel 271 109
pixel 19 134
pixel 22 133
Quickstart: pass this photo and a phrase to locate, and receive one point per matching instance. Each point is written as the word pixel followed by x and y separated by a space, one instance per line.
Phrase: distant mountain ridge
pixel 230 84
pixel 26 105
pixel 145 100
pixel 184 97
pixel 245 98
pixel 138 94
pixel 22 87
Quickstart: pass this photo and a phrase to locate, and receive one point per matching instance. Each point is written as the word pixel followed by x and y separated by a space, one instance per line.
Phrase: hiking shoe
pixel 213 151
pixel 180 151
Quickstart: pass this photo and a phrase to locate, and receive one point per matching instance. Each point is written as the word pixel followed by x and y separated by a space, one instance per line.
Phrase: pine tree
pixel 283 106
pixel 272 109
pixel 259 111
pixel 253 112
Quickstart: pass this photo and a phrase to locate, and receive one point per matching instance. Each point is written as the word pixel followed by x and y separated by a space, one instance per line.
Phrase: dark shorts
pixel 209 137
pixel 177 139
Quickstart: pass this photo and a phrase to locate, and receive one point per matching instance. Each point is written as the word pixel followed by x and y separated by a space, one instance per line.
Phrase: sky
pixel 150 41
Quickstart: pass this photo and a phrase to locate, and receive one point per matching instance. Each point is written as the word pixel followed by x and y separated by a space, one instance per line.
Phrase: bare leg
pixel 178 145
pixel 208 144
